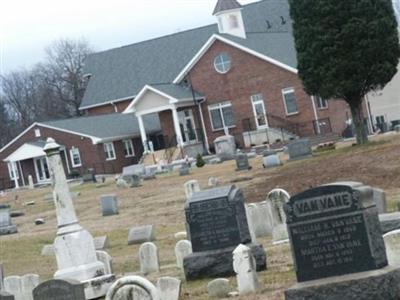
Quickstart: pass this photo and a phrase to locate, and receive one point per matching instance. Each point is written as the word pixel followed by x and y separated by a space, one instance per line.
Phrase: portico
pixel 173 102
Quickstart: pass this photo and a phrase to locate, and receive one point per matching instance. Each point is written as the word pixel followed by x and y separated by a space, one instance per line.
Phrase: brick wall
pixel 108 108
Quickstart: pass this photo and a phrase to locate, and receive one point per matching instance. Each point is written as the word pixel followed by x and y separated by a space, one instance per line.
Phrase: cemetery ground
pixel 161 202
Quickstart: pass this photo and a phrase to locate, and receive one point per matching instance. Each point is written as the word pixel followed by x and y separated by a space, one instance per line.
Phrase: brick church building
pixel 185 89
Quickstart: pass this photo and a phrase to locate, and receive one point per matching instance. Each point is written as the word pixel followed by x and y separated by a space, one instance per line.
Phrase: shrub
pixel 200 161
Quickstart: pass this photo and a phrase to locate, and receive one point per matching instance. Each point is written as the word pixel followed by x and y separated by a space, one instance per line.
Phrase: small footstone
pixel 169 288
pixel 30 203
pixel 180 235
pixel 39 221
pixel 141 234
pixel 218 288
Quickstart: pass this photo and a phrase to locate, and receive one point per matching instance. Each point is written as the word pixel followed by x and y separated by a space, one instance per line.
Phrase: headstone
pixel 21 287
pixel 48 250
pixel 6 296
pixel 89 176
pixel 139 169
pixel 250 223
pixel 225 147
pixel 55 289
pixel 133 180
pixel 213 182
pixel 30 182
pixel 141 234
pixel 299 149
pixel 191 187
pixel 277 198
pixel 132 288
pixel 100 242
pixel 6 227
pixel 244 265
pixel 271 160
pixel 109 205
pixel 259 217
pixel 392 245
pixel 180 235
pixel 106 259
pixel 74 246
pixel 217 223
pixel 184 169
pixel 389 221
pixel 182 249
pixel 150 173
pixel 215 161
pixel 218 288
pixel 335 232
pixel 242 162
pixel 169 288
pixel 148 257
pixel 380 200
pixel 1 277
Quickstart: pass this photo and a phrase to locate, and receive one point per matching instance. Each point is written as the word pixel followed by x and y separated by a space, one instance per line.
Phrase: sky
pixel 28 26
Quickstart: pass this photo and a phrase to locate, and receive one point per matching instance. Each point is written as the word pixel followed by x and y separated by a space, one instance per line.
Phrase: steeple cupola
pixel 230 20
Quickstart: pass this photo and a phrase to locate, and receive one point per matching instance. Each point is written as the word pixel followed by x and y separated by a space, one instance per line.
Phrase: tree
pixel 63 70
pixel 345 49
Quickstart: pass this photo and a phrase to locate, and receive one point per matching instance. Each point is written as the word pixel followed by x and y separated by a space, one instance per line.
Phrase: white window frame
pixel 37 132
pixel 219 106
pixel 72 152
pixel 109 150
pixel 320 100
pixel 222 63
pixel 258 99
pixel 10 170
pixel 128 145
pixel 288 91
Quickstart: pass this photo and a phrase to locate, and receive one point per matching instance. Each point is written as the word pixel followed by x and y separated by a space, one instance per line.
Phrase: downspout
pixel 367 106
pixel 315 115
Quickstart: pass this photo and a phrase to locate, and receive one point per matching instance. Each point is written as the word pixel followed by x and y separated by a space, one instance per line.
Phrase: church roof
pixel 223 5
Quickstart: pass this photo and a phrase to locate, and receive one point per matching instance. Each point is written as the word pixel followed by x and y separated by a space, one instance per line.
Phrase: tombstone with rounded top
pixel 213 181
pixel 218 288
pixel 30 182
pixel 244 265
pixel 277 199
pixel 132 288
pixel 56 289
pixel 182 249
pixel 21 286
pixel 148 258
pixel 191 187
pixel 6 227
pixel 169 288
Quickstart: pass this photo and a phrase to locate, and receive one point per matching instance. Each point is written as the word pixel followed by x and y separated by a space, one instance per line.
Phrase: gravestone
pixel 335 232
pixel 106 259
pixel 139 169
pixel 148 257
pixel 259 217
pixel 392 245
pixel 141 234
pixel 225 147
pixel 30 182
pixel 169 288
pixel 242 162
pixel 55 289
pixel 6 227
pixel 276 199
pixel 182 249
pixel 109 205
pixel 271 159
pixel 191 186
pixel 299 149
pixel 218 288
pixel 6 296
pixel 184 169
pixel 213 182
pixel 100 242
pixel 132 288
pixel 380 200
pixel 216 222
pixel 149 174
pixel 21 286
pixel 89 176
pixel 133 180
pixel 180 235
pixel 244 265
pixel 250 222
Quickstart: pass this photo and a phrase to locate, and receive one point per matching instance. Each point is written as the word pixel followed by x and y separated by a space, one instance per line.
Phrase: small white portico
pixel 162 97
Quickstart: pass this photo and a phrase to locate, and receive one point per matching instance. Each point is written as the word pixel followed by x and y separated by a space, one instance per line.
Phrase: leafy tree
pixel 345 49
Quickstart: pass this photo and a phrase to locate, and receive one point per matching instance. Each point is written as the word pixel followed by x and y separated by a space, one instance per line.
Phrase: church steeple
pixel 230 20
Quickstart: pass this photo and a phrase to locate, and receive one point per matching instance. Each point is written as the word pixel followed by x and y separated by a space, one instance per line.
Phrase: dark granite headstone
pixel 6 296
pixel 59 290
pixel 299 149
pixel 216 225
pixel 334 230
pixel 109 205
pixel 242 162
pixel 89 176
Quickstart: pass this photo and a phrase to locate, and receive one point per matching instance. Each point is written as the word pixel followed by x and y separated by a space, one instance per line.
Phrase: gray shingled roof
pixel 122 72
pixel 177 91
pixel 223 5
pixel 108 127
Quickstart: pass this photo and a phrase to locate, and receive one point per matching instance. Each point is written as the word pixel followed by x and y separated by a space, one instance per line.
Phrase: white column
pixel 177 128
pixel 143 133
pixel 204 128
pixel 315 115
pixel 14 170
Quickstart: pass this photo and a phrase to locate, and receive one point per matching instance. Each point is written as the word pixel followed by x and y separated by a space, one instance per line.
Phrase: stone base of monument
pixel 389 221
pixel 219 263
pixel 8 229
pixel 98 287
pixel 381 284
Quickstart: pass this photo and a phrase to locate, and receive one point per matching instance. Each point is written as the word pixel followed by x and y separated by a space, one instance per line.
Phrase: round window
pixel 222 63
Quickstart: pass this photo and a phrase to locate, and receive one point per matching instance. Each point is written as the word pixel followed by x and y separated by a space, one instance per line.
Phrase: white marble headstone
pixel 169 288
pixel 21 287
pixel 244 265
pixel 191 187
pixel 277 199
pixel 148 257
pixel 182 249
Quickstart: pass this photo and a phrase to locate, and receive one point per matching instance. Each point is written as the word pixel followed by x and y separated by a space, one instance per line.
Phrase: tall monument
pixel 74 246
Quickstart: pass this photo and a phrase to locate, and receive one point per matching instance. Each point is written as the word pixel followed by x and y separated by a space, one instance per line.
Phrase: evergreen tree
pixel 345 49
